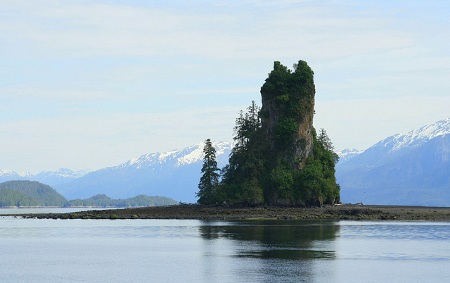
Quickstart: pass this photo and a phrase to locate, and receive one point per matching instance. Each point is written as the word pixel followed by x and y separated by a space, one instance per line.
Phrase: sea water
pixel 44 250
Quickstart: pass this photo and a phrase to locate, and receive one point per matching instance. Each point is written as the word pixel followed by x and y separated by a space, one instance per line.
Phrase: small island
pixel 278 158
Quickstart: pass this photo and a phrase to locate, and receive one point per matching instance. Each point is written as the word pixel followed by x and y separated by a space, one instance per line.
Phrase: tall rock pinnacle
pixel 287 113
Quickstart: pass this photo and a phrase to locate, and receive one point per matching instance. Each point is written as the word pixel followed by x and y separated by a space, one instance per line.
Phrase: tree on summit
pixel 210 178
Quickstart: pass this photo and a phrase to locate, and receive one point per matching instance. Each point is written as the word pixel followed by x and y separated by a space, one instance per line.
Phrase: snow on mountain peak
pixel 193 156
pixel 178 157
pixel 417 137
pixel 64 172
pixel 347 154
pixel 197 153
pixel 347 151
pixel 7 173
pixel 165 155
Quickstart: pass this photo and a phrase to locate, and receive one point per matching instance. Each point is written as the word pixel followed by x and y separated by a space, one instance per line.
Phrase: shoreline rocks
pixel 226 212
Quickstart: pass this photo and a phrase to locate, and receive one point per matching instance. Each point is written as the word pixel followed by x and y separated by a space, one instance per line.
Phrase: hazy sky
pixel 90 84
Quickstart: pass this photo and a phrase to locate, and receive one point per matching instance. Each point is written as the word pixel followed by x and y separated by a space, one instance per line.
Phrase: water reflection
pixel 288 240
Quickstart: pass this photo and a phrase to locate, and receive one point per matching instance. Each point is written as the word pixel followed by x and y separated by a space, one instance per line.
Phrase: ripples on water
pixel 223 251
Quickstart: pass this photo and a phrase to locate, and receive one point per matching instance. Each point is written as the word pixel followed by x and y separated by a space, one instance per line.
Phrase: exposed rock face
pixel 287 113
pixel 304 137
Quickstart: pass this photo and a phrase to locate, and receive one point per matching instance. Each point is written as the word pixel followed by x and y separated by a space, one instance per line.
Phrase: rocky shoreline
pixel 225 212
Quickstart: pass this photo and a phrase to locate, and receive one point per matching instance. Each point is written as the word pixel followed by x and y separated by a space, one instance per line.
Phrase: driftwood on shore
pixel 225 212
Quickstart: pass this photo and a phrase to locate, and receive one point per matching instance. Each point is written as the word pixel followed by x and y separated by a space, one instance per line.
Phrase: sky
pixel 91 84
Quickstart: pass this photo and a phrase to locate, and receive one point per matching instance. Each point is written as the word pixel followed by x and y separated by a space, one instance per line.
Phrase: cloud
pixel 52 94
pixel 85 29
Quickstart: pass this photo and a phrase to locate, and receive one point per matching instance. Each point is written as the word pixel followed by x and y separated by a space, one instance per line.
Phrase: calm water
pixel 4 211
pixel 222 251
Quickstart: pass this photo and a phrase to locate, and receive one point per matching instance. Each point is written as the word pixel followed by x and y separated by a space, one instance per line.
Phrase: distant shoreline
pixel 224 212
pixel 28 207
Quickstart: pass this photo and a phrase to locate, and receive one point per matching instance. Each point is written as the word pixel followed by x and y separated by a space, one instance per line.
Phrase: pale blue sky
pixel 90 84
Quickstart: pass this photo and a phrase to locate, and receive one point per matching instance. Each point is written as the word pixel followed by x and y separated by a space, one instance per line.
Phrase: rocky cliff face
pixel 287 113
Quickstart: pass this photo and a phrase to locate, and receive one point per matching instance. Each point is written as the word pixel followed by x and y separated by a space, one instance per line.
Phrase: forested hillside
pixel 103 200
pixel 9 197
pixel 29 193
pixel 32 193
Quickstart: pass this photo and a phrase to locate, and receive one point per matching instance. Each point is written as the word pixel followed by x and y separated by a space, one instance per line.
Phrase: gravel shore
pixel 224 212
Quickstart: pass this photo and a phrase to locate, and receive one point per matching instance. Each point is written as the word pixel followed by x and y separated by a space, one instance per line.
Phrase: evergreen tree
pixel 327 144
pixel 317 181
pixel 242 180
pixel 246 126
pixel 210 178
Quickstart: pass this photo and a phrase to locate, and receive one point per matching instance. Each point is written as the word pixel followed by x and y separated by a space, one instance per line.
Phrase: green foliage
pixel 292 92
pixel 310 182
pixel 252 192
pixel 285 130
pixel 284 98
pixel 242 178
pixel 246 126
pixel 9 197
pixel 282 182
pixel 278 80
pixel 210 178
pixel 41 194
pixel 102 200
pixel 328 148
pixel 143 200
pixel 317 181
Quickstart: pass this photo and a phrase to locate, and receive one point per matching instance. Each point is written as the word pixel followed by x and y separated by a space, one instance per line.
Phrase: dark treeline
pixel 102 200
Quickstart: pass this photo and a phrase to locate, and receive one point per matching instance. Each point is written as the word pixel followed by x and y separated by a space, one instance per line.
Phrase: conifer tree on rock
pixel 210 178
pixel 242 180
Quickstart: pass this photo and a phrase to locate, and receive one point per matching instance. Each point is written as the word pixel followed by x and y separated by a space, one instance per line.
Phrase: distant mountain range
pixel 173 174
pixel 50 178
pixel 411 168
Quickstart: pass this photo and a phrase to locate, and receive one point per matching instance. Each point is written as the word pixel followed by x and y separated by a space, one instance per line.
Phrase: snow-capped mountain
pixel 416 137
pixel 176 158
pixel 13 174
pixel 63 172
pixel 410 168
pixel 51 178
pixel 9 175
pixel 173 174
pixel 59 176
pixel 347 154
